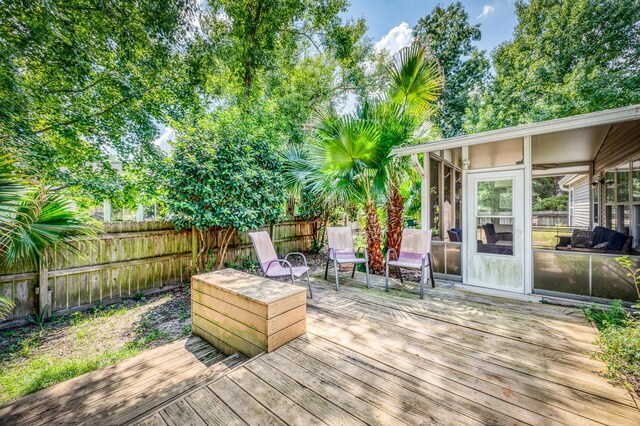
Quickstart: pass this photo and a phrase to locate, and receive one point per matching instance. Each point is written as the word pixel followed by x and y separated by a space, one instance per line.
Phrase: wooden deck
pixel 385 359
pixel 126 391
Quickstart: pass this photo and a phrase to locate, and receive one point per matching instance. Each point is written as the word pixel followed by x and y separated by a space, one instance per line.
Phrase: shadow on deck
pixel 371 357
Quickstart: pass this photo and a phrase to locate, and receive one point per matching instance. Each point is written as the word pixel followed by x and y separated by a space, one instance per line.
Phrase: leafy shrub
pixel 621 352
pixel 619 339
pixel 615 315
pixel 555 203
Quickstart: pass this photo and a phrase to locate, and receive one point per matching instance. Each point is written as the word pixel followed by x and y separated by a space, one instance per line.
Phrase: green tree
pixel 340 165
pixel 403 117
pixel 224 174
pixel 450 35
pixel 565 58
pixel 251 40
pixel 85 81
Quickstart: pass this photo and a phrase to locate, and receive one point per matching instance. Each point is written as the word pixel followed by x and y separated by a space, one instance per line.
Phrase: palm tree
pixel 403 116
pixel 341 164
pixel 34 220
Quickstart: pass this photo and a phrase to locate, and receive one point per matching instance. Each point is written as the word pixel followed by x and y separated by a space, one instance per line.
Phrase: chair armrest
pixel 389 252
pixel 504 236
pixel 366 254
pixel 563 241
pixel 296 253
pixel 279 261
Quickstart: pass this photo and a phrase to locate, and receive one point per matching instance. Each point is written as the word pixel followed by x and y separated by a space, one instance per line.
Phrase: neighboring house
pixel 141 213
pixel 489 178
pixel 578 188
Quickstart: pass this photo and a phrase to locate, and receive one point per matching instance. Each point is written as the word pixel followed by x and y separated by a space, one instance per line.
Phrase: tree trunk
pixel 374 236
pixel 222 251
pixel 395 209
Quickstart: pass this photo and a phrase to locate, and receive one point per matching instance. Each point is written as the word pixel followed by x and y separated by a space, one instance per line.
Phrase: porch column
pixel 528 215
pixel 425 212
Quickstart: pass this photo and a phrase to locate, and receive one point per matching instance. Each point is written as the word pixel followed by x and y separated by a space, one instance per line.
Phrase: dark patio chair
pixel 493 236
pixel 455 235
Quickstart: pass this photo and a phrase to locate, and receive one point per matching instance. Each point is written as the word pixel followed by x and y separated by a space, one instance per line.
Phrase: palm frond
pixel 417 80
pixel 6 307
pixel 43 220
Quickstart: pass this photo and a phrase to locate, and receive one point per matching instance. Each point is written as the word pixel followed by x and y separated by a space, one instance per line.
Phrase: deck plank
pixel 212 410
pixel 247 408
pixel 287 410
pixel 540 371
pixel 368 357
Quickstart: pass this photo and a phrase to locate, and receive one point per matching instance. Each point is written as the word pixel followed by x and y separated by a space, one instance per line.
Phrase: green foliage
pixel 83 80
pixel 35 218
pixel 619 339
pixel 565 58
pixel 450 35
pixel 633 272
pixel 6 307
pixel 558 203
pixel 224 173
pixel 544 187
pixel 614 316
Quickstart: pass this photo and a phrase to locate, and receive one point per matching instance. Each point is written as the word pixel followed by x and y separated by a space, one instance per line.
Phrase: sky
pixel 390 21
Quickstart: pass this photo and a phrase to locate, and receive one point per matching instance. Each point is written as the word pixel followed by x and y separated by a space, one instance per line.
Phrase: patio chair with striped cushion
pixel 341 251
pixel 415 253
pixel 272 266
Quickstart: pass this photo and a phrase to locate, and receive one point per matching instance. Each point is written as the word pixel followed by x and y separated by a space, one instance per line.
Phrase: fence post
pixel 44 307
pixel 194 250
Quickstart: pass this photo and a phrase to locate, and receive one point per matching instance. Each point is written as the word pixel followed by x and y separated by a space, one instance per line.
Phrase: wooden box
pixel 240 312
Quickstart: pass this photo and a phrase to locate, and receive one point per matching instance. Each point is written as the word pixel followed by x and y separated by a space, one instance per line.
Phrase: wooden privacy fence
pixel 127 258
pixel 550 218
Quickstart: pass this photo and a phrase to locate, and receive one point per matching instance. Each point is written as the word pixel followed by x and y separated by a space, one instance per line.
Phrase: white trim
pixel 499 293
pixel 611 116
pixel 425 213
pixel 528 216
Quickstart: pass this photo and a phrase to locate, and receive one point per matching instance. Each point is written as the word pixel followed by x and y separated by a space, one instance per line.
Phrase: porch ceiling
pixel 569 146
pixel 566 140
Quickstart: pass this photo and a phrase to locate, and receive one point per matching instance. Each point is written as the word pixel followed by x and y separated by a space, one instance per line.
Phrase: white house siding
pixel 580 205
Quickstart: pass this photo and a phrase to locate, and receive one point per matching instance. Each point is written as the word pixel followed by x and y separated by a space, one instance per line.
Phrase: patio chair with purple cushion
pixel 341 251
pixel 272 266
pixel 415 253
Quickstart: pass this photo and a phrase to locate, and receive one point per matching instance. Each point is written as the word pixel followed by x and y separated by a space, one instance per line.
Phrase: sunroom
pixel 477 198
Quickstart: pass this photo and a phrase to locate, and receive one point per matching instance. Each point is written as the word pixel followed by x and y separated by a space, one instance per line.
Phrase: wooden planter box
pixel 240 312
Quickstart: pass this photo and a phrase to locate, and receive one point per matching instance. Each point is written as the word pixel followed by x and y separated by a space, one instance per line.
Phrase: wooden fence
pixel 126 258
pixel 550 218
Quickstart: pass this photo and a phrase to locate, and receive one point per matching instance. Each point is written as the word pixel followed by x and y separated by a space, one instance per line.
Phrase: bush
pixel 620 342
pixel 556 203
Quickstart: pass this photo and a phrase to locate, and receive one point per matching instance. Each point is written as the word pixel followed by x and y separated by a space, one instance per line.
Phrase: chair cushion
pixel 601 235
pixel 406 264
pixel 616 241
pixel 280 271
pixel 582 238
pixel 351 260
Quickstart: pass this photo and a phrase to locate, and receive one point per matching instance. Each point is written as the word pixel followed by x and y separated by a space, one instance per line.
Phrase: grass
pixel 619 338
pixel 37 356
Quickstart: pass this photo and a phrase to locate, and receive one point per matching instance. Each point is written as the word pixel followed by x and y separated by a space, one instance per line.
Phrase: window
pixel 622 183
pixel 610 185
pixel 494 214
pixel 434 194
pixel 595 197
pixel 636 181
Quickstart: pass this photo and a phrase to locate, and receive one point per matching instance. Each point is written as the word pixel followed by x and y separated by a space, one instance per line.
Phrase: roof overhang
pixel 600 118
